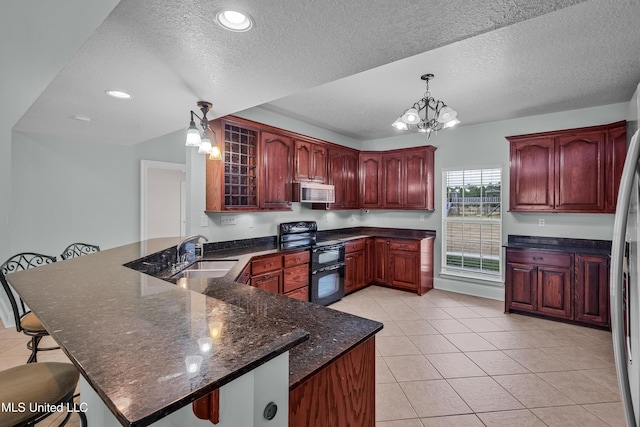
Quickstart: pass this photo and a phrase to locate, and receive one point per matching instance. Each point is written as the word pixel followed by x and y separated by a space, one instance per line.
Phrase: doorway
pixel 163 207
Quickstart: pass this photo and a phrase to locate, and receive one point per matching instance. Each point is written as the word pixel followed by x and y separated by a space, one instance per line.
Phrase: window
pixel 472 223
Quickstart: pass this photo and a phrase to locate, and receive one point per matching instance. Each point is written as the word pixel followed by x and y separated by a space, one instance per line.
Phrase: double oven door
pixel 327 274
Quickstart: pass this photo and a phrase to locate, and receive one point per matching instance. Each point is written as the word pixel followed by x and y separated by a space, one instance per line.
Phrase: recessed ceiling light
pixel 234 21
pixel 118 94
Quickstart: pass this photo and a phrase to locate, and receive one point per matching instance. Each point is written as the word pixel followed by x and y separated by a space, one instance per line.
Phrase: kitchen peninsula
pixel 129 332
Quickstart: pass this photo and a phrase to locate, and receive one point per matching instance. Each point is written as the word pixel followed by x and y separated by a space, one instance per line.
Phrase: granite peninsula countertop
pixel 128 331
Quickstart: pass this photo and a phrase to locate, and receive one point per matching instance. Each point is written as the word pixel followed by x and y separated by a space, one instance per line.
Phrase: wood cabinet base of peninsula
pixel 340 394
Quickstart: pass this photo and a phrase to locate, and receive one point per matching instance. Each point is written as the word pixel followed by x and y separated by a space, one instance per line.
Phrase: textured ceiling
pixel 347 66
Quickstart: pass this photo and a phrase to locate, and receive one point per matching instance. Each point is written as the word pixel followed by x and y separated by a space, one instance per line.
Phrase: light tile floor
pixel 447 359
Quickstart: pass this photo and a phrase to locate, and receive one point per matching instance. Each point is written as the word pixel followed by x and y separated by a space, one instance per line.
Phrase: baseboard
pixel 490 291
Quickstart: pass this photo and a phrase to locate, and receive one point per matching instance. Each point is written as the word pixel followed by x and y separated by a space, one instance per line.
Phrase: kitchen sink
pixel 211 268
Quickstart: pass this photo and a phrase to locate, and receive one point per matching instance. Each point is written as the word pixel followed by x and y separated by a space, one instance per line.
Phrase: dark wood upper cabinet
pixel 418 185
pixel 261 163
pixel 580 163
pixel 310 162
pixel 393 180
pixel 532 171
pixel 408 178
pixel 275 175
pixel 574 170
pixel 371 180
pixel 343 174
pixel 616 154
pixel 233 183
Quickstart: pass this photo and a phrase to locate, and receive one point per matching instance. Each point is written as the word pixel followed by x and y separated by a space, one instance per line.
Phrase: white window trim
pixel 460 273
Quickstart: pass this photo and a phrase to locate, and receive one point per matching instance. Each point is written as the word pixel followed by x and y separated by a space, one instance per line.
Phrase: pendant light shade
pixel 215 153
pixel 205 146
pixel 193 136
pixel 399 124
pixel 447 114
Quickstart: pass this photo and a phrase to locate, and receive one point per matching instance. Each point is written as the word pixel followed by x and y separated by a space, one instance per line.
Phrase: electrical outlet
pixel 541 222
pixel 228 219
pixel 421 217
pixel 204 220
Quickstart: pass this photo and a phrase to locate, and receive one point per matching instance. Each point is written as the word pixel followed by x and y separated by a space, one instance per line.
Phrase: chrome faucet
pixel 189 239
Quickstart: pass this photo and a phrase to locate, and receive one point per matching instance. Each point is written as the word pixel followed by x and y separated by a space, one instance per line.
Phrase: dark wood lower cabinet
pixel 271 282
pixel 340 394
pixel 592 289
pixel 522 291
pixel 404 264
pixel 286 274
pixel 355 266
pixel 554 291
pixel 570 286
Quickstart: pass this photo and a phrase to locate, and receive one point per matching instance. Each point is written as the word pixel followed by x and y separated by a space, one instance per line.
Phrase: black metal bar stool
pixel 26 321
pixel 78 249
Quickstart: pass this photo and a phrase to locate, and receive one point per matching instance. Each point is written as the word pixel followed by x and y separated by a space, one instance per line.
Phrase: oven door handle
pixel 326 248
pixel 329 268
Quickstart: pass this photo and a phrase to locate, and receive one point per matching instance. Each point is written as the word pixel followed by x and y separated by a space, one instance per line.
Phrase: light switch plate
pixel 204 220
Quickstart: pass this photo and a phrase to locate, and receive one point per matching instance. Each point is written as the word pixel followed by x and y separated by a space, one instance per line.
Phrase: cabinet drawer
pixel 296 277
pixel 404 245
pixel 301 294
pixel 539 257
pixel 296 258
pixel 245 275
pixel 354 245
pixel 269 281
pixel 263 265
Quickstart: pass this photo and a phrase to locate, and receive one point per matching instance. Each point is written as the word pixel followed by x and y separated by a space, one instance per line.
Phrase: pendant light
pixel 204 144
pixel 427 115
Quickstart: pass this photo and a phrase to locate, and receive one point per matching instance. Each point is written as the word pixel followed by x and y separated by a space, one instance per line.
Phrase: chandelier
pixel 203 143
pixel 427 115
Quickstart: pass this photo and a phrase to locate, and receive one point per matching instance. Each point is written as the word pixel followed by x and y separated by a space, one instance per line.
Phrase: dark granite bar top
pixel 129 333
pixel 560 244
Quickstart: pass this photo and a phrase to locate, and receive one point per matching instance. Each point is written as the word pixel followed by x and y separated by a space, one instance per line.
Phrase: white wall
pixel 39 38
pixel 66 192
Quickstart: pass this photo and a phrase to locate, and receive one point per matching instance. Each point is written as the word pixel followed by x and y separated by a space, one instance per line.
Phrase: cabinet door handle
pixel 538 258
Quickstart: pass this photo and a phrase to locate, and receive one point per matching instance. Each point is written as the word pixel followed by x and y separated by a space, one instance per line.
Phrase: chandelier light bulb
pixel 399 124
pixel 451 123
pixel 411 116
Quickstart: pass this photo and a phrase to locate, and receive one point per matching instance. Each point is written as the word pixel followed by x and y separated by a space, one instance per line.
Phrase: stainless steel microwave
pixel 312 192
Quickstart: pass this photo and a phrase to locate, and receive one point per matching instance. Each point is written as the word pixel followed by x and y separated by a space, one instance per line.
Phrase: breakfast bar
pixel 148 347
